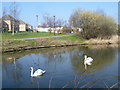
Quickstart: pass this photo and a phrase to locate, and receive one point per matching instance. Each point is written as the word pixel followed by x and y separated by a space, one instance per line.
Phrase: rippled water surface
pixel 62 65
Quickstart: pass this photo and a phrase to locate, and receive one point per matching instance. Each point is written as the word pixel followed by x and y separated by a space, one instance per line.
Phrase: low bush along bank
pixel 113 40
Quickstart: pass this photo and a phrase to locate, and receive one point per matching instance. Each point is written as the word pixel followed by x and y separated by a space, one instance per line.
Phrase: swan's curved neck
pixel 32 72
pixel 85 57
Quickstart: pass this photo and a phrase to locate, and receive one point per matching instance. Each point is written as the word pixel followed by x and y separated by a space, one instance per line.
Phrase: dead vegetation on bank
pixel 113 40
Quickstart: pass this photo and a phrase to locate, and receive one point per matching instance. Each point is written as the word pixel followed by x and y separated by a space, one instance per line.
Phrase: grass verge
pixel 7 44
pixel 20 35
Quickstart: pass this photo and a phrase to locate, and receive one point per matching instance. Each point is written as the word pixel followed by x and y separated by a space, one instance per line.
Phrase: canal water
pixel 64 67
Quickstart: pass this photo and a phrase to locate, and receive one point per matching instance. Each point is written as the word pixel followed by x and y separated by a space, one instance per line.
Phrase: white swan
pixel 38 72
pixel 87 61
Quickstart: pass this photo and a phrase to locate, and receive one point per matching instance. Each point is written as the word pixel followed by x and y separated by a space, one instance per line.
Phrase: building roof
pixel 22 22
pixel 8 17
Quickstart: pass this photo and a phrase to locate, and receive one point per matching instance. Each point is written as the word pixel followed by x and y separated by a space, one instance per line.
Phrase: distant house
pixel 18 25
pixel 24 26
pixel 10 21
pixel 3 25
pixel 49 29
pixel 43 29
pixel 29 26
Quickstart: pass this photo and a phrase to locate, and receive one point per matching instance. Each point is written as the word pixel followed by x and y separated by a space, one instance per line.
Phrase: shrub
pixel 50 30
pixel 95 25
pixel 67 30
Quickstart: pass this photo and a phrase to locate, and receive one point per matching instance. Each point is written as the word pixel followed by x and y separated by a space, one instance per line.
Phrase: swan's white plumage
pixel 87 61
pixel 38 72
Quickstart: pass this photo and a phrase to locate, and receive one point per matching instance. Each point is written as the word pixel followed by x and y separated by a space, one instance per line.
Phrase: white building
pixel 49 29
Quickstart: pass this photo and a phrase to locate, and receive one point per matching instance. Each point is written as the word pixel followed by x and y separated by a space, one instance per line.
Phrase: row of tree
pixel 50 21
pixel 94 24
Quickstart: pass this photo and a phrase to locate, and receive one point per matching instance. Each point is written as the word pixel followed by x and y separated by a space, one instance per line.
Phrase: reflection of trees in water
pixel 35 51
pixel 35 60
pixel 54 57
pixel 58 55
pixel 101 56
pixel 119 61
pixel 14 71
pixel 52 54
pixel 36 81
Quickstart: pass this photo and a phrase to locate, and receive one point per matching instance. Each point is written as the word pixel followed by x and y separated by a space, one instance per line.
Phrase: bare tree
pixel 4 11
pixel 14 12
pixel 60 22
pixel 74 18
pixel 48 21
pixel 52 22
pixel 2 23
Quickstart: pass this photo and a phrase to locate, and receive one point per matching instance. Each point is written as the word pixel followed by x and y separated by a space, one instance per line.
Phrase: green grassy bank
pixel 15 44
pixel 20 35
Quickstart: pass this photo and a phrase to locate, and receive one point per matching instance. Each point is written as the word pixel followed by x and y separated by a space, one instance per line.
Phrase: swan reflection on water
pixel 33 81
pixel 87 61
